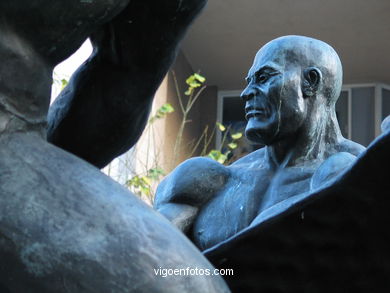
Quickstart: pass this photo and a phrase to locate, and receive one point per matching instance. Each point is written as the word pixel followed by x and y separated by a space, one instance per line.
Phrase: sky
pixel 66 68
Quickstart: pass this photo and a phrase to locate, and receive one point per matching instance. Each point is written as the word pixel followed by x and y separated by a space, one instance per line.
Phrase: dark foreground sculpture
pixel 135 42
pixel 307 213
pixel 64 226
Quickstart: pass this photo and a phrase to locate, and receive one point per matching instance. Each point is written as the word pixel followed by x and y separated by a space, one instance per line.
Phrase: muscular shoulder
pixel 350 146
pixel 192 182
pixel 331 168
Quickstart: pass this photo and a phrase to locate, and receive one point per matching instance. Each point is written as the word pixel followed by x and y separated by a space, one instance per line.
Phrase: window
pixel 360 110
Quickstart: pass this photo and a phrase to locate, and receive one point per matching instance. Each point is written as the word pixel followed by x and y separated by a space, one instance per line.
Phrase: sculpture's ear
pixel 312 77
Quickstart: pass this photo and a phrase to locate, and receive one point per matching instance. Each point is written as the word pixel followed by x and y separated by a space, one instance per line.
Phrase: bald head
pixel 293 86
pixel 301 53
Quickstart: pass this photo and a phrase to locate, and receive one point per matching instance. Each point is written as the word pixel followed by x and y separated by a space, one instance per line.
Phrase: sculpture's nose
pixel 248 93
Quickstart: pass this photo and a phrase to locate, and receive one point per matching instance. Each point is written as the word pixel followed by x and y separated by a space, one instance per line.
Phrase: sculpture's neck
pixel 25 82
pixel 315 141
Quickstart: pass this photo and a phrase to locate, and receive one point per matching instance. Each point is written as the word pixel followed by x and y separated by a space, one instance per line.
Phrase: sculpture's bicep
pixel 192 184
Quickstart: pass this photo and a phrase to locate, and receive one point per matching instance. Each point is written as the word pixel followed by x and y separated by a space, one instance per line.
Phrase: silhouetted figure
pixel 65 226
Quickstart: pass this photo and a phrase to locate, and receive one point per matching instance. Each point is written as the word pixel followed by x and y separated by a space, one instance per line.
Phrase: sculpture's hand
pixel 104 109
pixel 192 184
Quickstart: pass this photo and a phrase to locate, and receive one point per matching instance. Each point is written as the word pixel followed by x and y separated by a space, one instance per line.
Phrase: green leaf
pixel 146 181
pixel 221 127
pixel 195 84
pixel 64 83
pixel 190 79
pixel 194 81
pixel 189 91
pixel 199 77
pixel 155 173
pixel 217 156
pixel 222 159
pixel 166 108
pixel 232 145
pixel 134 182
pixel 161 112
pixel 214 154
pixel 236 136
pixel 145 190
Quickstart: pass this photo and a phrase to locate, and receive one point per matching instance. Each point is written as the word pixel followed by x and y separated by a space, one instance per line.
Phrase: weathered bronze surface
pixel 65 226
pixel 309 211
pixel 290 98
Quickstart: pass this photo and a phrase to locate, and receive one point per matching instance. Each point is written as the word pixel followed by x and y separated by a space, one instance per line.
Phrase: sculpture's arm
pixel 103 110
pixel 192 184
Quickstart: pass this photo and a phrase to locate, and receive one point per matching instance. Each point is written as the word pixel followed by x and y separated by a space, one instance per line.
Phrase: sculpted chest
pixel 245 196
pixel 215 202
pixel 232 209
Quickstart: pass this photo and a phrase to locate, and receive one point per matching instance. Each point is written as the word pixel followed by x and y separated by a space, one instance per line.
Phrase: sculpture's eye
pixel 262 78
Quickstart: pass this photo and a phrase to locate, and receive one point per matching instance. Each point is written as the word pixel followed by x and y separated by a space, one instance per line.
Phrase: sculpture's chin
pixel 261 132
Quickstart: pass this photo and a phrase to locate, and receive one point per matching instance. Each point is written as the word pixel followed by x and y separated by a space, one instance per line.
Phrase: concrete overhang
pixel 224 39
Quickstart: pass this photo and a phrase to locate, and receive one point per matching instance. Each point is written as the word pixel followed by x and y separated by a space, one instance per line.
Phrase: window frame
pixel 378 99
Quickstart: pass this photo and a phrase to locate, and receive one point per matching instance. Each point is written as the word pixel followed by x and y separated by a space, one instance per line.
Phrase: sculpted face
pixel 275 106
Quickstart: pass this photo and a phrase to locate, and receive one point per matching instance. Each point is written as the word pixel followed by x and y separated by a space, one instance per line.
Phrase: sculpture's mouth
pixel 252 112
